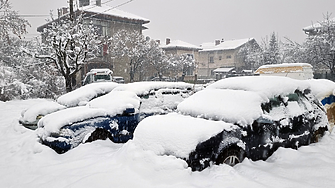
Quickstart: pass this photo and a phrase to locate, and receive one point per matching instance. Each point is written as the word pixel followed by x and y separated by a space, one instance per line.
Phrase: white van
pixel 299 71
pixel 98 75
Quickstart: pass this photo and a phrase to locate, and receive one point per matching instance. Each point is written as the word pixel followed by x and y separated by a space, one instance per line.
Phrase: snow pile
pixel 143 88
pixel 82 95
pixel 267 86
pixel 175 134
pixel 233 106
pixel 43 108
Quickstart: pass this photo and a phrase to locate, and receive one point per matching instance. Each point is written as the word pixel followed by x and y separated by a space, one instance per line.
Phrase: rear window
pixel 102 77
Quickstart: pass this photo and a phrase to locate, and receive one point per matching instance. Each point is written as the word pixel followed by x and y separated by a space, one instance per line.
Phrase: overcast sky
pixel 199 21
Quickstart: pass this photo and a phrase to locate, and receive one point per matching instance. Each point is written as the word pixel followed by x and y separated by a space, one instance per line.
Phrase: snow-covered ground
pixel 24 162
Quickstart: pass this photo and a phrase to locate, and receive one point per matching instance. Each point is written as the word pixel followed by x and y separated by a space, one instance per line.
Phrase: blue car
pixel 114 115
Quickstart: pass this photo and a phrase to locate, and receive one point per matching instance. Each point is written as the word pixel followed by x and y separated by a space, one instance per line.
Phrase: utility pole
pixel 71 10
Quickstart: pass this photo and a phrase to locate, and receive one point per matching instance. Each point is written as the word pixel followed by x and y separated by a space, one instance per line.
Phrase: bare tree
pixel 69 44
pixel 10 22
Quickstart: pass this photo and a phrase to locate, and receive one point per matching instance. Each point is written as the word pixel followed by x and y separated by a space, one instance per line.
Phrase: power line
pixel 33 16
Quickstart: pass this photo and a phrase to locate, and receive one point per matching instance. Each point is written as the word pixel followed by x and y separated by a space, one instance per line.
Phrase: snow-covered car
pixel 98 75
pixel 236 118
pixel 324 91
pixel 78 97
pixel 118 79
pixel 114 115
pixel 30 116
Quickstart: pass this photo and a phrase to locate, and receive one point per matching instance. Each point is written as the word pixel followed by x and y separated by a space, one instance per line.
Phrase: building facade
pixel 220 58
pixel 178 47
pixel 108 20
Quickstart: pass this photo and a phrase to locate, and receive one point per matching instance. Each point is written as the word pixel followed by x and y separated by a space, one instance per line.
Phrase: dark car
pixel 236 118
pixel 114 115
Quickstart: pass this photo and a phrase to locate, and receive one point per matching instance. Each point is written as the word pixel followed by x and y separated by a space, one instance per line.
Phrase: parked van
pixel 300 71
pixel 98 75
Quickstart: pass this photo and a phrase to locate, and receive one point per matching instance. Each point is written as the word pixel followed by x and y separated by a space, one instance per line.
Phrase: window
pixel 211 59
pixel 220 58
pixel 228 56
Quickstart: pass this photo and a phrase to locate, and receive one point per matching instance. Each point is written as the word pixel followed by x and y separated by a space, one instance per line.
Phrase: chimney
pixel 158 42
pixel 98 3
pixel 168 41
pixel 217 42
pixel 65 10
pixel 62 11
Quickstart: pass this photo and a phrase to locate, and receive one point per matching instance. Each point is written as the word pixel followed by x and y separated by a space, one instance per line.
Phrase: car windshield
pixel 102 77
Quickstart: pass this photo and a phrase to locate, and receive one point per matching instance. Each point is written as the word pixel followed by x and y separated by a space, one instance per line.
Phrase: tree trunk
pixel 68 83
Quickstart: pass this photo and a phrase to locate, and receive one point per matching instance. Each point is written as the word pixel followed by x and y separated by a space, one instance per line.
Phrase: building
pixel 218 59
pixel 108 20
pixel 178 47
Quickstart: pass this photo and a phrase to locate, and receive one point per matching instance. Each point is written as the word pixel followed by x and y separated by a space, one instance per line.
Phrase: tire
pixel 231 156
pixel 99 134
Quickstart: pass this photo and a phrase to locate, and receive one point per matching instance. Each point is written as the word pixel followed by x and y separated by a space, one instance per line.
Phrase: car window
pixel 102 77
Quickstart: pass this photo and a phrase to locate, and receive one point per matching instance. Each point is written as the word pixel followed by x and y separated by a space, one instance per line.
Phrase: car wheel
pixel 231 156
pixel 99 134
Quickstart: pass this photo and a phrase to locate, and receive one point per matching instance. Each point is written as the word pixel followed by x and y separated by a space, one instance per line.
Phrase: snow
pixel 27 163
pixel 43 108
pixel 321 88
pixel 287 65
pixel 233 106
pixel 116 102
pixel 84 94
pixel 111 104
pixel 176 144
pixel 180 44
pixel 107 10
pixel 226 45
pixel 267 86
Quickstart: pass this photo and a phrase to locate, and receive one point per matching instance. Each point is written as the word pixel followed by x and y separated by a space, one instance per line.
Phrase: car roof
pixel 234 106
pixel 86 93
pixel 268 86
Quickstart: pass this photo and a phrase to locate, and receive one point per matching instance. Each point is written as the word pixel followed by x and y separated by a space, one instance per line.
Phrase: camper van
pixel 300 71
pixel 98 75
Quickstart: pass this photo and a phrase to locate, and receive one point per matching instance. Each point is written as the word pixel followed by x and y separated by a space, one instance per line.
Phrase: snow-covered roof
pixel 180 44
pixel 227 45
pixel 110 11
pixel 186 131
pixel 282 68
pixel 143 88
pixel 317 25
pixel 86 93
